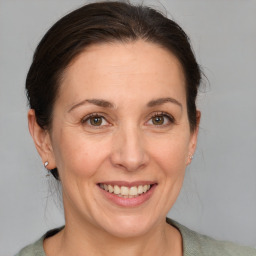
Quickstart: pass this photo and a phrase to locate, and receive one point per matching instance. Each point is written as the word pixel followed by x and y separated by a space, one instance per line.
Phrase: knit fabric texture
pixel 194 244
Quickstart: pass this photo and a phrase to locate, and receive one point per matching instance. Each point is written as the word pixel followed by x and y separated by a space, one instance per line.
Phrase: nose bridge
pixel 128 149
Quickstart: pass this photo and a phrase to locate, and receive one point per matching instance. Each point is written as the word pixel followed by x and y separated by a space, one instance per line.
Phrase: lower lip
pixel 129 202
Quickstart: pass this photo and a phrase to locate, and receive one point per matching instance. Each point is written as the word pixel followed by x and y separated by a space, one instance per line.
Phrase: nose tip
pixel 128 151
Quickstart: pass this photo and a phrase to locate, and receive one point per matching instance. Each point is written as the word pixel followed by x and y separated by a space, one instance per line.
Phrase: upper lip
pixel 128 184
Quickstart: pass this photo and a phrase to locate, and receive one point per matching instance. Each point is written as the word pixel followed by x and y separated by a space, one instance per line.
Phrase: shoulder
pixel 37 249
pixel 195 244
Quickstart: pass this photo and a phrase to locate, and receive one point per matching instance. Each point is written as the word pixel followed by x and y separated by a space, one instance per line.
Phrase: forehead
pixel 126 67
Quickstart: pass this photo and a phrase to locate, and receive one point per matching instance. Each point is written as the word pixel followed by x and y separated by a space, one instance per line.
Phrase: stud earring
pixel 45 164
pixel 190 157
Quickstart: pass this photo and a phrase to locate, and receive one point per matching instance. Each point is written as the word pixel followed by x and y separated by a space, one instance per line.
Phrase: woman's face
pixel 120 123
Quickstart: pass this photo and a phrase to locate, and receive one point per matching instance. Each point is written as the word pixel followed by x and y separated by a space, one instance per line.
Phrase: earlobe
pixel 42 140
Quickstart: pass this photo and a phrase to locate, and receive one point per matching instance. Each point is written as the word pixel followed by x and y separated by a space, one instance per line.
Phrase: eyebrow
pixel 161 101
pixel 107 104
pixel 97 102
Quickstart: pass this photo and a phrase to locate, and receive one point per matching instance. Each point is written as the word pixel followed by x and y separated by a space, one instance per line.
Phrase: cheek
pixel 170 154
pixel 77 155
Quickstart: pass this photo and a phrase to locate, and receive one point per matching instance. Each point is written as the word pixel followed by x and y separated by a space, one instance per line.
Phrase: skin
pixel 128 146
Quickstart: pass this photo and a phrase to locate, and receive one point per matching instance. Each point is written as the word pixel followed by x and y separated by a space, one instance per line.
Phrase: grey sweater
pixel 194 244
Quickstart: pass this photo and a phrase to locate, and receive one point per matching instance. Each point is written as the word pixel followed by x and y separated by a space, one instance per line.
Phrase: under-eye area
pixel 112 91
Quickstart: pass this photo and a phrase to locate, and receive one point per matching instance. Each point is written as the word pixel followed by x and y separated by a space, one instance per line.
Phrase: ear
pixel 193 138
pixel 42 140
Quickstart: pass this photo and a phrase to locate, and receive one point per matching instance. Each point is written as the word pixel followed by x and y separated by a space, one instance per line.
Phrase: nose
pixel 128 151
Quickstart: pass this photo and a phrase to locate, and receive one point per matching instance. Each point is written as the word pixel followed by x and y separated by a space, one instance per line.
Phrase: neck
pixel 81 240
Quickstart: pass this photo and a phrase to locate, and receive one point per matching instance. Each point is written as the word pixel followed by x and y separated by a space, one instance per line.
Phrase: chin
pixel 128 226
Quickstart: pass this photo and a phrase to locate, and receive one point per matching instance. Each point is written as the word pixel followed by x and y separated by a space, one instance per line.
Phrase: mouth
pixel 126 191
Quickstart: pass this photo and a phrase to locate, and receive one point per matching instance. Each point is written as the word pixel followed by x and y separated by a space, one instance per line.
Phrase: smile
pixel 124 191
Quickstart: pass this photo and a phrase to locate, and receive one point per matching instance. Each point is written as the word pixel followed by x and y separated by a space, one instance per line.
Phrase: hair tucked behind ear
pixel 102 23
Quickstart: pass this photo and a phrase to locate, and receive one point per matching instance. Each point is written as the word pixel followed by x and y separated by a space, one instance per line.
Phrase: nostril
pixel 129 161
pixel 128 148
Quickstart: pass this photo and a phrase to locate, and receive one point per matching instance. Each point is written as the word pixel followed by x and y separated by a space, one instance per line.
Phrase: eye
pixel 158 120
pixel 161 119
pixel 94 120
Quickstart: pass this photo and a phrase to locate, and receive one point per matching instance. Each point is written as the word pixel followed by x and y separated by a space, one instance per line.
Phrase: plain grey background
pixel 219 193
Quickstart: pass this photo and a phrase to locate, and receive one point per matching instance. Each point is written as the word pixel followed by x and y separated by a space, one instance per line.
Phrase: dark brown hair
pixel 104 22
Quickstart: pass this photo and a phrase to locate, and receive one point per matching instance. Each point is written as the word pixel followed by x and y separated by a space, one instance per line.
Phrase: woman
pixel 112 92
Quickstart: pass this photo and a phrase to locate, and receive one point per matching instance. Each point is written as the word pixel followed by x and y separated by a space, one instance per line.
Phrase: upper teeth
pixel 126 191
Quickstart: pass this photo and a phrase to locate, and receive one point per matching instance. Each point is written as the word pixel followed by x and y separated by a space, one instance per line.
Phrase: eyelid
pixel 150 116
pixel 96 114
pixel 164 114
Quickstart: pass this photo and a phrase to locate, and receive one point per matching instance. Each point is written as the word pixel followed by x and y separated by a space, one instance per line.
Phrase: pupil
pixel 158 120
pixel 96 121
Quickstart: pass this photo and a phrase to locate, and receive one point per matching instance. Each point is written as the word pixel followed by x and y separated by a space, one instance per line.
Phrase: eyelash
pixel 165 115
pixel 170 118
pixel 87 118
